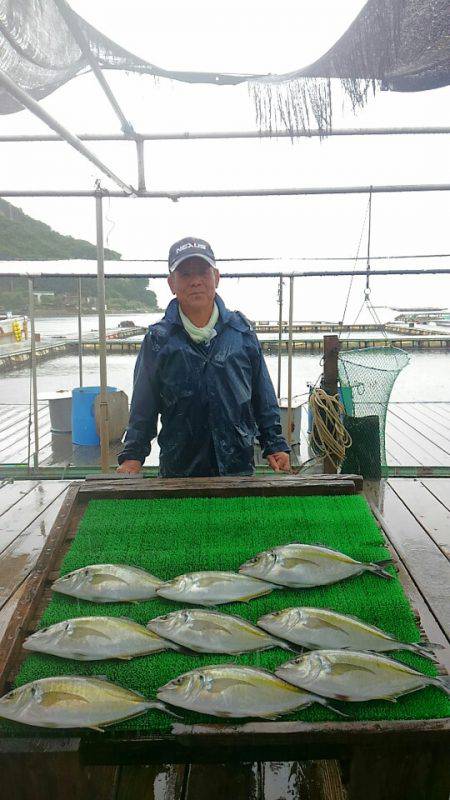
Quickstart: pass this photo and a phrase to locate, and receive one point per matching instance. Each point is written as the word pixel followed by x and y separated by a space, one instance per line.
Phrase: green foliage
pixel 23 238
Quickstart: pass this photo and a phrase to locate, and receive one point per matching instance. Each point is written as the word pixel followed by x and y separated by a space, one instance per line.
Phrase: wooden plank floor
pixel 417 434
pixel 15 422
pixel 416 517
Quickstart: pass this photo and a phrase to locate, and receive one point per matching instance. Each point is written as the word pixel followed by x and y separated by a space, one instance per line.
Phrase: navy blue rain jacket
pixel 213 399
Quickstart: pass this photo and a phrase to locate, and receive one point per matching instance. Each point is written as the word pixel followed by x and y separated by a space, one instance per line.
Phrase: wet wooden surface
pixel 417 434
pixel 415 515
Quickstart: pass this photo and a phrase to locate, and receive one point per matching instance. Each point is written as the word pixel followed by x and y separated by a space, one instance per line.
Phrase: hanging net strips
pixel 401 45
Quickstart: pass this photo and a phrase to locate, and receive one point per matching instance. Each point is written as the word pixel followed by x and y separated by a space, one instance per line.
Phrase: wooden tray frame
pixel 421 744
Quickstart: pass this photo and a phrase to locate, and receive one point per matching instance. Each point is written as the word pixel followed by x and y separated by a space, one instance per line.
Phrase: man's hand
pixel 130 467
pixel 279 462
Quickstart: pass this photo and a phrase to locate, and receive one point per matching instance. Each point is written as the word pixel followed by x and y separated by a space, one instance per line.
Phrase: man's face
pixel 194 283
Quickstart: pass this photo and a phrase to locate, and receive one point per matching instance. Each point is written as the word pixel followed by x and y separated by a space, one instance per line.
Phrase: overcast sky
pixel 255 36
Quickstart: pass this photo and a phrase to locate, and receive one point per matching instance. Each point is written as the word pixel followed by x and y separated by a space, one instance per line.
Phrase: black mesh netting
pixel 403 45
pixel 369 375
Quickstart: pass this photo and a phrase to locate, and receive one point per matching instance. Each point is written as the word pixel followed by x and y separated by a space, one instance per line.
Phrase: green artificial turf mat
pixel 171 536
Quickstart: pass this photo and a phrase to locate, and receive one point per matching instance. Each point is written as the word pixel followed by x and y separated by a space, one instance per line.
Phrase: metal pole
pixel 33 373
pixel 198 193
pixel 291 314
pixel 72 23
pixel 267 134
pixel 306 274
pixel 101 299
pixel 369 232
pixel 140 163
pixel 80 337
pixel 29 102
pixel 280 332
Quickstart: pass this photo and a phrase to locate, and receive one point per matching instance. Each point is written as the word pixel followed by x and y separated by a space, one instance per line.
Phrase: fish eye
pixel 178 681
pixel 253 560
pixel 86 571
pixel 163 618
pixel 33 690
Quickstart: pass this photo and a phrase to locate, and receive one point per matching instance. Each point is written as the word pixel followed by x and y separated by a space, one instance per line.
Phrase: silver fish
pixel 213 588
pixel 108 583
pixel 355 676
pixel 96 638
pixel 301 566
pixel 213 632
pixel 73 702
pixel 317 628
pixel 229 690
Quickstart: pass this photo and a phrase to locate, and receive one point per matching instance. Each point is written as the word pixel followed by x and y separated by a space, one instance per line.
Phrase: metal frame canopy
pixel 125 190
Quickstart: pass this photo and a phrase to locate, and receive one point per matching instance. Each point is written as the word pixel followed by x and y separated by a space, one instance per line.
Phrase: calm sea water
pixel 427 377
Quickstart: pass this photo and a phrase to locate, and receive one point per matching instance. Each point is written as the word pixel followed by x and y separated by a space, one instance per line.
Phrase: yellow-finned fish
pixel 207 631
pixel 213 588
pixel 108 583
pixel 317 628
pixel 229 690
pixel 355 676
pixel 97 638
pixel 301 566
pixel 72 701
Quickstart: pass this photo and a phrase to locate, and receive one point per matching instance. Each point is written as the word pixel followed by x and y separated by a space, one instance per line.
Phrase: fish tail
pixel 293 648
pixel 425 649
pixel 179 648
pixel 325 703
pixel 443 682
pixel 162 707
pixel 377 568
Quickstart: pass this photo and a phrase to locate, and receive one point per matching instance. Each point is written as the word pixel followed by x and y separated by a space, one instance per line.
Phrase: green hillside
pixel 23 238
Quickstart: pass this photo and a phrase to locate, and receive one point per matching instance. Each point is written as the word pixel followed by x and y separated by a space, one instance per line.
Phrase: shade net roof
pixel 402 45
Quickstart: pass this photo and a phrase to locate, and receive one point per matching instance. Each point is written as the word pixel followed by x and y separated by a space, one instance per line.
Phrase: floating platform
pixel 270 346
pixel 417 435
pixel 14 356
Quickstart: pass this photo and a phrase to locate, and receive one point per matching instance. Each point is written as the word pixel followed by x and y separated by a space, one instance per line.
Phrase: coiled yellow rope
pixel 328 433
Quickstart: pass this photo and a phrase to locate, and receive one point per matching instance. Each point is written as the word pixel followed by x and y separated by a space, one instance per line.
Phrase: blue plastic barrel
pixel 84 430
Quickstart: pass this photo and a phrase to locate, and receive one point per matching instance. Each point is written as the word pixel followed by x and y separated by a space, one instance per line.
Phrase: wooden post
pixel 330 380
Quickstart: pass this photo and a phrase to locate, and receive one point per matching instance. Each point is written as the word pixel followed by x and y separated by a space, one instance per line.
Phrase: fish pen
pixel 230 520
pixel 349 748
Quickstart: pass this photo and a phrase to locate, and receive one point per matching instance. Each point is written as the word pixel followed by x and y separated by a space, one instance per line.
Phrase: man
pixel 202 369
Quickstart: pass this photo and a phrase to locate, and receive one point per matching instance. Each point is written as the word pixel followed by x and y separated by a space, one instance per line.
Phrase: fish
pixel 231 690
pixel 213 588
pixel 73 701
pixel 355 676
pixel 206 631
pixel 97 638
pixel 300 566
pixel 108 583
pixel 317 628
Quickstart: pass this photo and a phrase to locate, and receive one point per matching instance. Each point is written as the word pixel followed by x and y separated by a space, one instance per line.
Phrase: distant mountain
pixel 23 238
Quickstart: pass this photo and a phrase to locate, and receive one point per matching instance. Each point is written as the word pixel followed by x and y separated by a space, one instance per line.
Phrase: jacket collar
pixel 227 317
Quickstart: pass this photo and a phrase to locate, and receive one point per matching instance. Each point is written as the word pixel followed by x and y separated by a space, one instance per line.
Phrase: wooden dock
pixel 415 517
pixel 16 355
pixel 270 346
pixel 417 435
